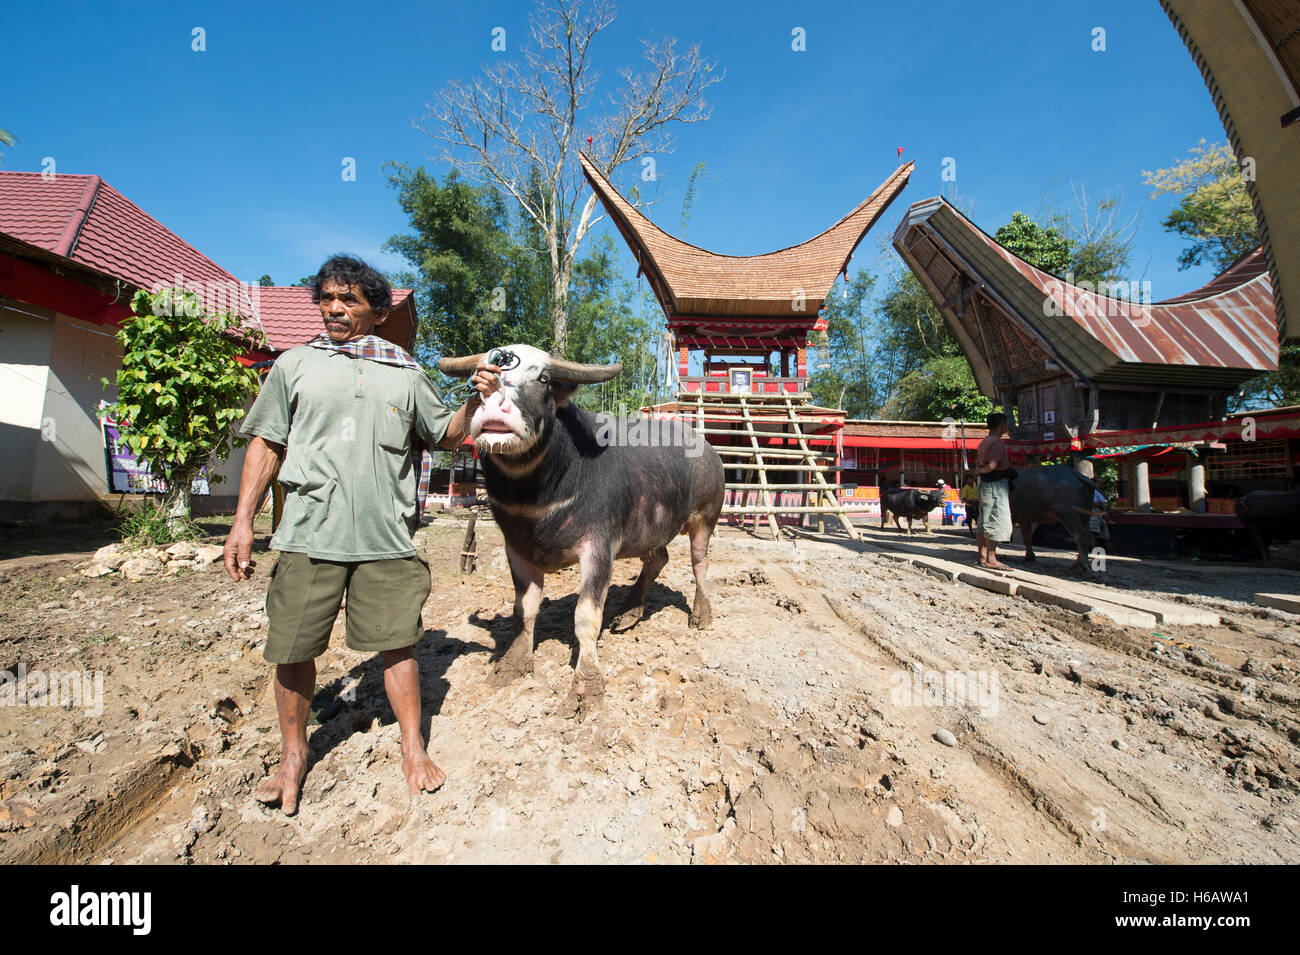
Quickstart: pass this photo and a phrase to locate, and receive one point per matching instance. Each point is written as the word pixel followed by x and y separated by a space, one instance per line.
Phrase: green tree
pixel 1214 209
pixel 943 387
pixel 688 198
pixel 1041 246
pixel 847 380
pixel 475 283
pixel 1277 388
pixel 605 328
pixel 180 390
pixel 1100 235
pixel 266 281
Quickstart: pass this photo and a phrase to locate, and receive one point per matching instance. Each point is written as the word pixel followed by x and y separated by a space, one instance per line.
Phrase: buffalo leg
pixel 518 659
pixel 701 611
pixel 1027 535
pixel 650 567
pixel 1083 539
pixel 1262 541
pixel 595 562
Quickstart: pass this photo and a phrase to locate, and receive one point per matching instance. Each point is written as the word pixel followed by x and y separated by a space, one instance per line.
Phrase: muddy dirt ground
pixel 805 725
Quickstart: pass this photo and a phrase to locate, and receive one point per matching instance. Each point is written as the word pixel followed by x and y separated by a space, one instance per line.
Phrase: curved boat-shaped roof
pixel 1224 332
pixel 692 281
pixel 1248 53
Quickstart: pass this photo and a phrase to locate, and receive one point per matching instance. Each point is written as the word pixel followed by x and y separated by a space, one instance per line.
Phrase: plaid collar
pixel 368 346
pixel 384 352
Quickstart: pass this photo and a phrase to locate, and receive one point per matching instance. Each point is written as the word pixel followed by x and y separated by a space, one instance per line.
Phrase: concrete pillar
pixel 1196 482
pixel 1141 485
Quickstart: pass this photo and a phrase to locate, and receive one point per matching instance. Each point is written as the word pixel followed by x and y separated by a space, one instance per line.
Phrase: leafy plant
pixel 1214 210
pixel 180 390
pixel 151 527
pixel 1041 246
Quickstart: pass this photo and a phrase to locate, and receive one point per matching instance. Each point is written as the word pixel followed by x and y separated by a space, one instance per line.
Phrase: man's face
pixel 346 313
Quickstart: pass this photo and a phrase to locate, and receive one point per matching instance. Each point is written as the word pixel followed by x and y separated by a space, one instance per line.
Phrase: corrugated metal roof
pixel 1228 324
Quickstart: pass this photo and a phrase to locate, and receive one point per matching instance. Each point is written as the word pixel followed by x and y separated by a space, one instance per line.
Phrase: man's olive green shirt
pixel 349 476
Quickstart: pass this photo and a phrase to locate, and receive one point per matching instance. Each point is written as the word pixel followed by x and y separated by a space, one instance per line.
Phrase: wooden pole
pixel 468 557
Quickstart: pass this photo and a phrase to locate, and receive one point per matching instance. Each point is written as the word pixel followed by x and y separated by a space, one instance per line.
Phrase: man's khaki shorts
pixel 383 612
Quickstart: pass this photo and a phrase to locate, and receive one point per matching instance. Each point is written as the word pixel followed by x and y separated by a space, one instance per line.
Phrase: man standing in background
pixel 993 467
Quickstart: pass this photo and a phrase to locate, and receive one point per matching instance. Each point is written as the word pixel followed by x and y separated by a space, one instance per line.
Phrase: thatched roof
pixel 690 281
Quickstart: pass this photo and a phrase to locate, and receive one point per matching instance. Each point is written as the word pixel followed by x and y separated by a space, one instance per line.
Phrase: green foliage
pixel 605 328
pixel 151 526
pixel 1275 389
pixel 180 389
pixel 688 198
pixel 1041 246
pixel 897 359
pixel 475 283
pixel 266 281
pixel 851 353
pixel 1214 211
pixel 943 387
pixel 483 280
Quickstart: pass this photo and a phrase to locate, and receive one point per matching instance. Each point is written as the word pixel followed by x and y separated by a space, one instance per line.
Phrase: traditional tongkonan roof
pixel 784 289
pixel 1248 53
pixel 1216 336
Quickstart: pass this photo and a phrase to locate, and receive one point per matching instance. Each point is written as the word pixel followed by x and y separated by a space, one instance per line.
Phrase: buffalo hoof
pixel 1029 558
pixel 511 667
pixel 700 618
pixel 586 694
pixel 628 620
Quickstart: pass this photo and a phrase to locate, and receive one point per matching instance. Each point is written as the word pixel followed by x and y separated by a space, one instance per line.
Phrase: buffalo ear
pixel 562 390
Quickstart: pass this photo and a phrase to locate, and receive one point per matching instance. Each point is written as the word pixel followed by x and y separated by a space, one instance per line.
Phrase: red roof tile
pixel 87 221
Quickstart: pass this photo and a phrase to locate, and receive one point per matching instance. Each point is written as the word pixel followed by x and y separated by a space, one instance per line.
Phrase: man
pixel 970 496
pixel 344 420
pixel 1097 522
pixel 992 465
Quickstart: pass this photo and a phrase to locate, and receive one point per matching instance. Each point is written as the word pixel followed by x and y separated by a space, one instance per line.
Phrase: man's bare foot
pixel 421 772
pixel 285 784
pixel 996 565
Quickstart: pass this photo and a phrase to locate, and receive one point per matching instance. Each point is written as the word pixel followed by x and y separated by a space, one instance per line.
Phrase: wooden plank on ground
pixel 1287 602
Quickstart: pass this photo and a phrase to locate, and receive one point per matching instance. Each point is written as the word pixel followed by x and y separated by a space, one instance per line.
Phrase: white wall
pixel 51 444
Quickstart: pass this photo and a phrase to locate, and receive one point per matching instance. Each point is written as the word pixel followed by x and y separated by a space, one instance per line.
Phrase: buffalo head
pixel 533 385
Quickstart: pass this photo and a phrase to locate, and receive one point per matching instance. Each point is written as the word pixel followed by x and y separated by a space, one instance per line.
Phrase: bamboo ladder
pixel 740 409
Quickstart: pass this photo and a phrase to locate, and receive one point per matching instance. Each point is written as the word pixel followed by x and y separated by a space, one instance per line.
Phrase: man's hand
pixel 239 550
pixel 485 379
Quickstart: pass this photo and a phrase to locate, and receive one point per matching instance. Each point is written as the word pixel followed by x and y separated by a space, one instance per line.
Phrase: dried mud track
pixel 807 724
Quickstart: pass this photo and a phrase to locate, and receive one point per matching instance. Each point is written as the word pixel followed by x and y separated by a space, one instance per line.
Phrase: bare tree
pixel 514 127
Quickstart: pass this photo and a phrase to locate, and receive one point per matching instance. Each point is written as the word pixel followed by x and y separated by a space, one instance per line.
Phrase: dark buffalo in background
pixel 1270 516
pixel 1055 494
pixel 910 503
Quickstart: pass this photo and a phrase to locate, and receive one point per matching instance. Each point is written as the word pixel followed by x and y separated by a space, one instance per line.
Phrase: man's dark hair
pixel 995 420
pixel 352 271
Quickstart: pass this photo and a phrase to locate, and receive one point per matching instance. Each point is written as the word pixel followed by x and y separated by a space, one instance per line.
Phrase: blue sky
pixel 238 148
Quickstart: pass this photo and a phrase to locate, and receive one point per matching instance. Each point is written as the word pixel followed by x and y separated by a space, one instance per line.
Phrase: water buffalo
pixel 909 503
pixel 1270 516
pixel 1055 494
pixel 568 486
